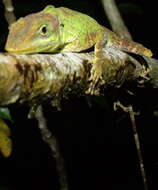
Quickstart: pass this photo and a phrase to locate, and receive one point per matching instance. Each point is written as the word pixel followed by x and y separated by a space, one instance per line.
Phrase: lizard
pixel 61 29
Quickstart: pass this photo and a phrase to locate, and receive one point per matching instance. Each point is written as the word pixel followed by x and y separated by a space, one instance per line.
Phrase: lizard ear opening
pixel 62 25
pixel 49 8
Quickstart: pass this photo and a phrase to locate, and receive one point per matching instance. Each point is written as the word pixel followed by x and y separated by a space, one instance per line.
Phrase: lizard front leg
pixel 97 66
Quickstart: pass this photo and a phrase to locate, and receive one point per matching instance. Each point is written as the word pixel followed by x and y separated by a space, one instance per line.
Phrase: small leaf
pixel 5 141
pixel 5 113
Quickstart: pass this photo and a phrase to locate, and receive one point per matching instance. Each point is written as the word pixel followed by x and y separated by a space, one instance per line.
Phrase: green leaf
pixel 5 140
pixel 5 113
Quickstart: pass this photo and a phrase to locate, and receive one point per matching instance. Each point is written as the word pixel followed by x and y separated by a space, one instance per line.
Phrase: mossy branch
pixel 40 77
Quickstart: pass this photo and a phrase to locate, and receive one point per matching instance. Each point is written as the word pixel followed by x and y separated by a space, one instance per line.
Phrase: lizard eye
pixel 43 30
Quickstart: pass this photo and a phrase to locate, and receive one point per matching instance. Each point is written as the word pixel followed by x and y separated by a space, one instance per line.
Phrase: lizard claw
pixel 95 80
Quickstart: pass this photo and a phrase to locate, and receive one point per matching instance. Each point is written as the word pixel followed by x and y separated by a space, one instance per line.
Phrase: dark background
pixel 96 142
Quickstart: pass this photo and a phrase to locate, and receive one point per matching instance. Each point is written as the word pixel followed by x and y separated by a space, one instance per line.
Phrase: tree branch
pixel 39 77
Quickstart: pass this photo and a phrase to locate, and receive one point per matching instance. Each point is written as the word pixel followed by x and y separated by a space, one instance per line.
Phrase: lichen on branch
pixel 39 77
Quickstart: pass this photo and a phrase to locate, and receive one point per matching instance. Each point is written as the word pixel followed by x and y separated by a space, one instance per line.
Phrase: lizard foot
pixel 95 79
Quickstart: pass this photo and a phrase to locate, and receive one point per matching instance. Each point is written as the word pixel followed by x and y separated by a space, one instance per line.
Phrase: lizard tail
pixel 133 47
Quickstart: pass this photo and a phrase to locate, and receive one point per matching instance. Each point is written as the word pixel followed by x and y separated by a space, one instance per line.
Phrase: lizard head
pixel 39 32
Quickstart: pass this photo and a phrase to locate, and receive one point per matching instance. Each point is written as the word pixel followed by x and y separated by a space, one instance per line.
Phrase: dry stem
pixel 52 142
pixel 9 11
pixel 115 19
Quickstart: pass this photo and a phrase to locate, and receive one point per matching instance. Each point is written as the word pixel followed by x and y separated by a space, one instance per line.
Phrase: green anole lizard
pixel 65 30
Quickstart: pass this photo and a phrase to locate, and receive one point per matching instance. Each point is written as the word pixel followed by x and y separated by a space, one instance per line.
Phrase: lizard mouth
pixel 10 50
pixel 44 49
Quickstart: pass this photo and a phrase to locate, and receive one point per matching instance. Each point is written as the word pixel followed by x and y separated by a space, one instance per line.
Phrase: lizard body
pixel 65 30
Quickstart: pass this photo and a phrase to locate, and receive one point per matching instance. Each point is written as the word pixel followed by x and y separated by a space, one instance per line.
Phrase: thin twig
pixel 115 19
pixel 53 144
pixel 9 11
pixel 137 142
pixel 132 114
pixel 120 28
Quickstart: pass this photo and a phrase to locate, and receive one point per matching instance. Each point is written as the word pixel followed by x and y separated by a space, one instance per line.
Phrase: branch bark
pixel 39 77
